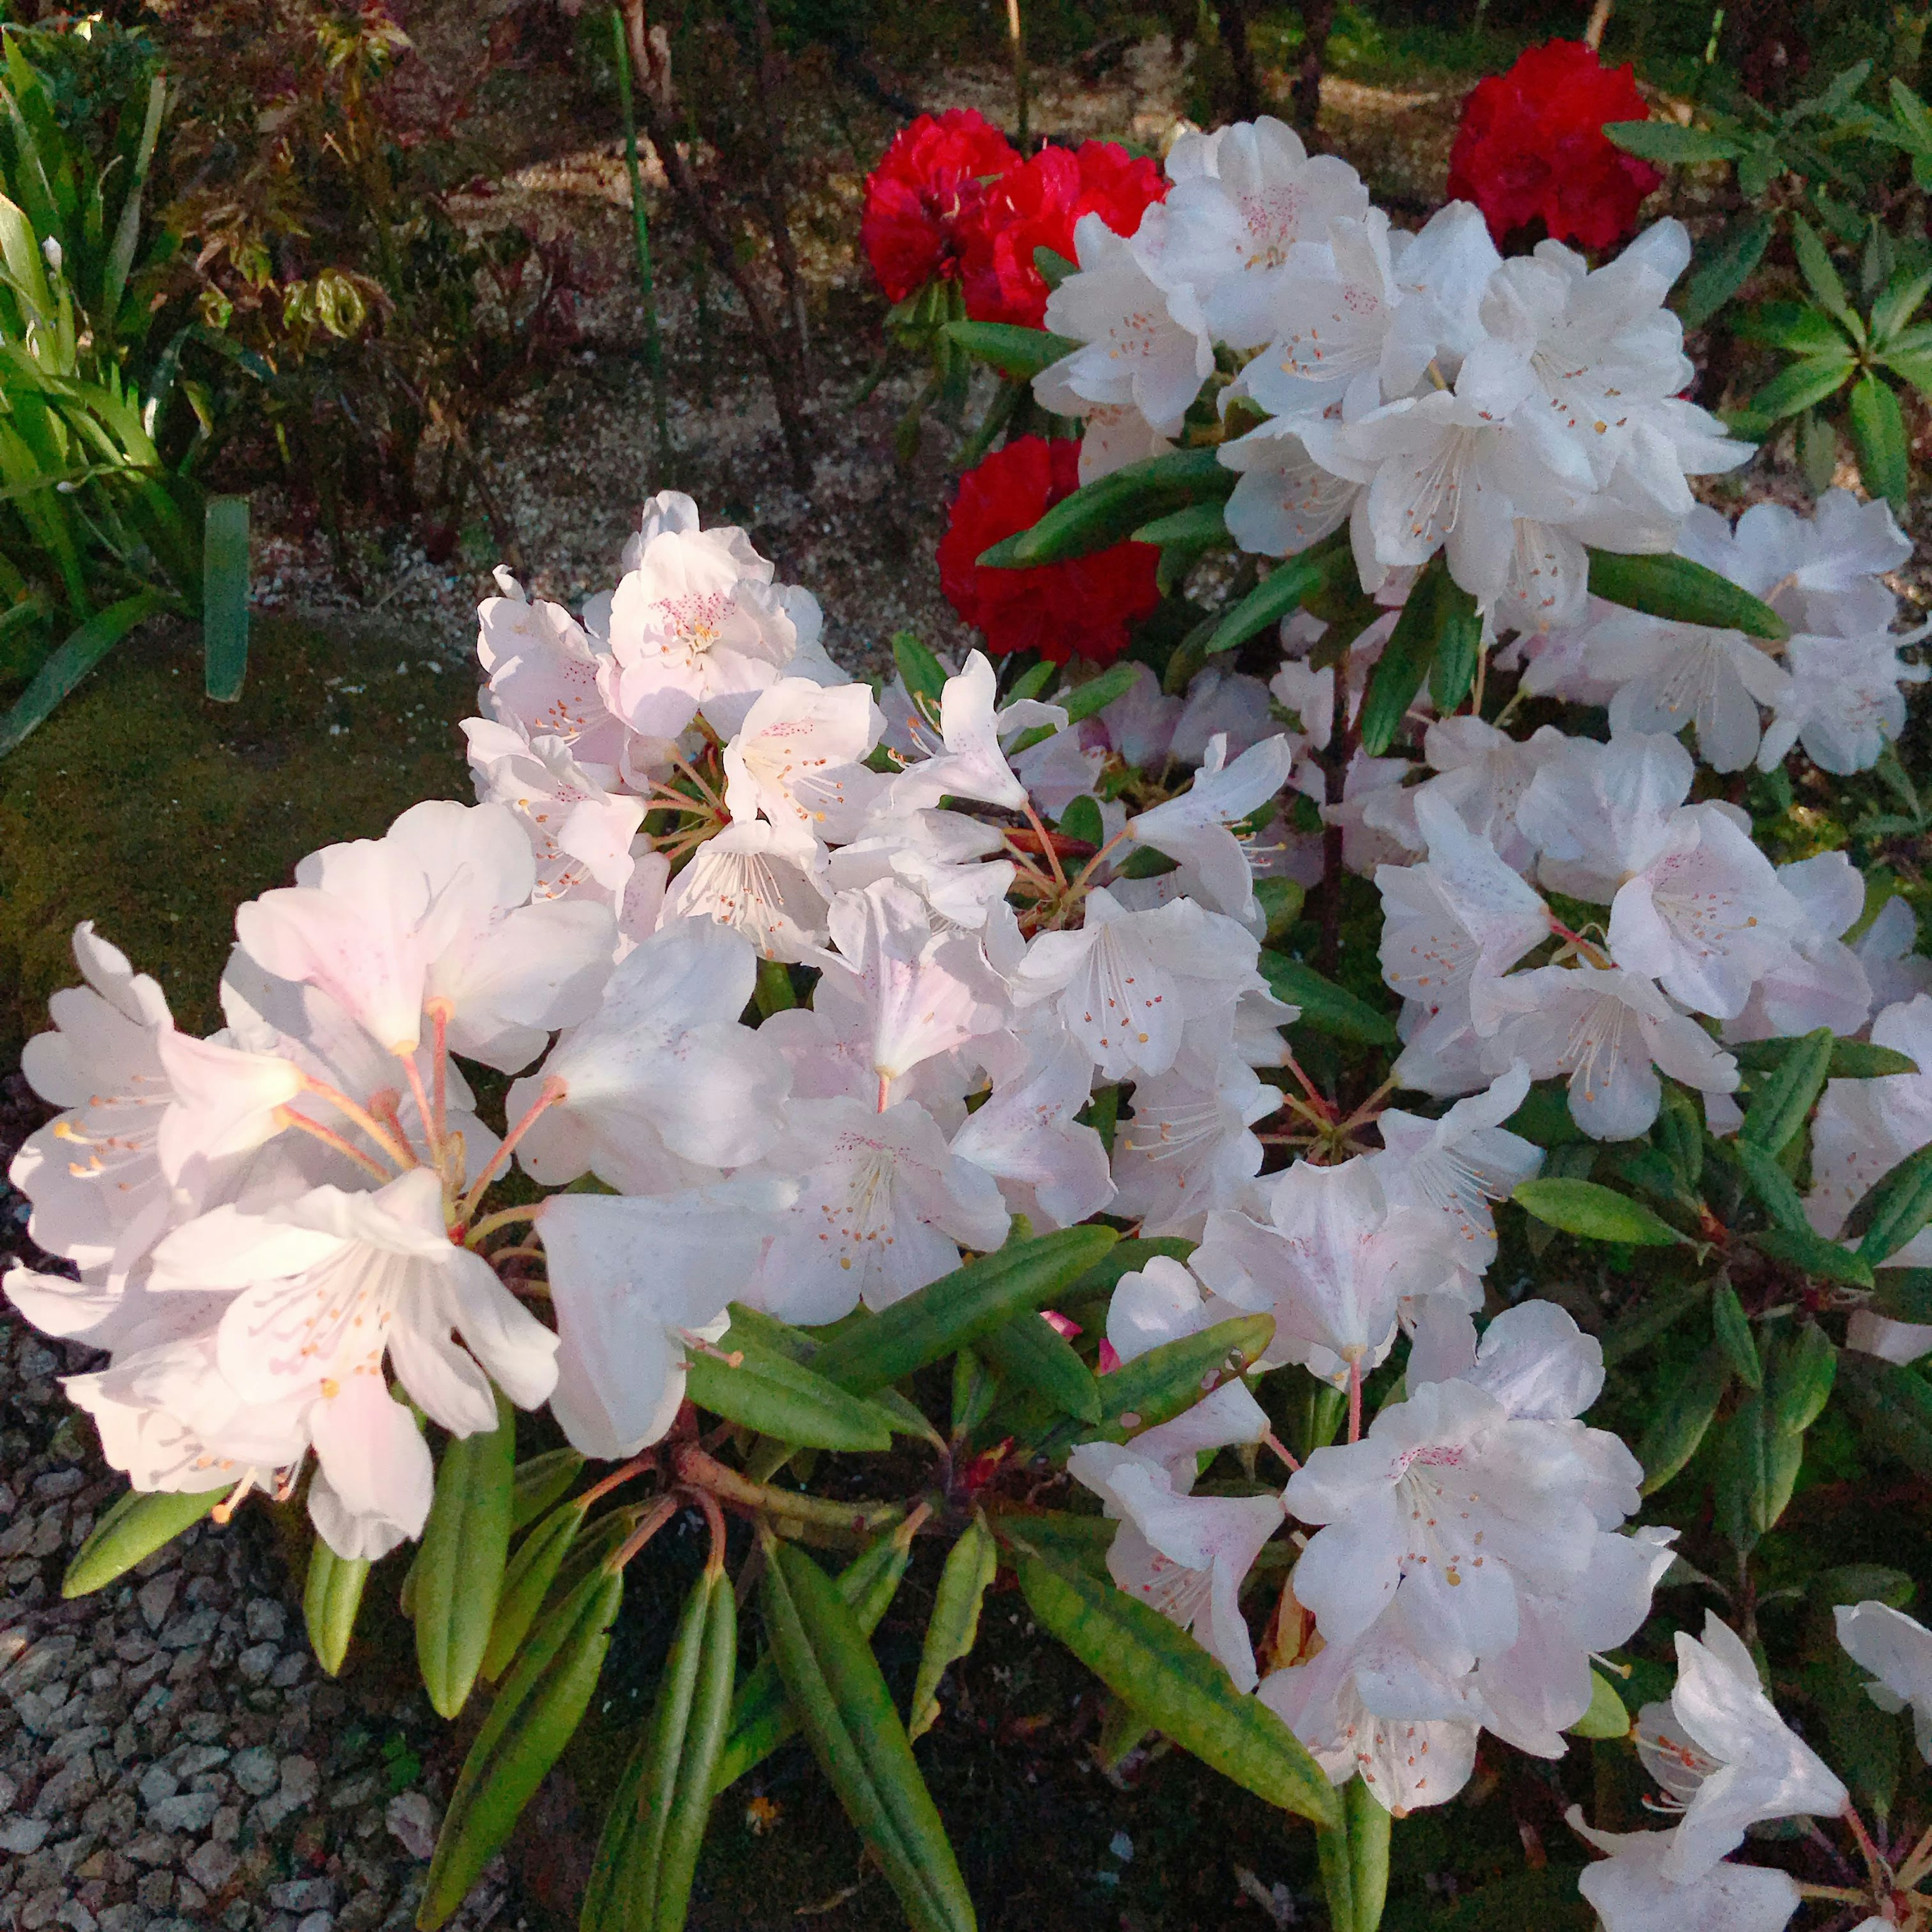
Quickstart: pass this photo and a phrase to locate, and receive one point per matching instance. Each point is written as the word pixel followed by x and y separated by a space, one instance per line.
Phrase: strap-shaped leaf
pixel 1434 603
pixel 1901 299
pixel 1665 1306
pixel 1177 1686
pixel 1851 1059
pixel 1011 349
pixel 1802 1372
pixel 1757 1469
pixel 1127 1257
pixel 539 1484
pixel 846 1713
pixel 1723 266
pixel 1679 1426
pixel 527 1579
pixel 1666 142
pixel 1370 1829
pixel 1083 700
pixel 1815 264
pixel 1782 1100
pixel 535 1715
pixel 1732 1326
pixel 762 1717
pixel 1897 1205
pixel 1878 437
pixel 82 650
pixel 1198 527
pixel 1111 508
pixel 971 1564
pixel 1904 1294
pixel 1685 591
pixel 922 673
pixel 1892 1405
pixel 1595 1213
pixel 1165 1381
pixel 1458 647
pixel 331 1598
pixel 138 1524
pixel 960 1307
pixel 765 1390
pixel 1803 384
pixel 1282 590
pixel 1029 1351
pixel 460 1567
pixel 1772 1187
pixel 1800 1248
pixel 1325 1007
pixel 224 596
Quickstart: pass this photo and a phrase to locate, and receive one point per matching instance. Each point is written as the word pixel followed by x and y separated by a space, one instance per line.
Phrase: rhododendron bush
pixel 1320 1115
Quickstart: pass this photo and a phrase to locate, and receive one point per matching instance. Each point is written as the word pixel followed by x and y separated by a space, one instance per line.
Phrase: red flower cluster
pixel 1531 143
pixel 951 197
pixel 1084 607
pixel 926 194
pixel 1035 206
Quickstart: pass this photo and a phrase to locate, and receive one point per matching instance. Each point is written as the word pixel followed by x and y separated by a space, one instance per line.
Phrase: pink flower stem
pixel 1274 1442
pixel 636 1466
pixel 425 1111
pixel 1322 1109
pixel 655 1518
pixel 885 1093
pixel 1369 1109
pixel 1046 843
pixel 439 1016
pixel 1087 881
pixel 330 1138
pixel 1875 1864
pixel 1919 1862
pixel 1355 1401
pixel 397 1148
pixel 714 1518
pixel 553 1090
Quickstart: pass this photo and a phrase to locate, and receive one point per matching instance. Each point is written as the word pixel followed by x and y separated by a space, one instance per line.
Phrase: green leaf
pixel 1892 1405
pixel 1167 1380
pixel 1198 527
pixel 971 1564
pixel 647 1853
pixel 1607 1716
pixel 1127 1257
pixel 1177 1686
pixel 1028 1350
pixel 1452 671
pixel 1083 700
pixel 767 1391
pixel 1757 1469
pixel 1012 350
pixel 1680 1424
pixel 1732 1326
pixel 1802 1372
pixel 138 1524
pixel 332 1597
pixel 1666 143
pixel 1432 606
pixel 1684 591
pixel 1370 1828
pixel 1879 438
pixel 1772 1187
pixel 1914 123
pixel 1081 820
pixel 1595 1213
pixel 976 1388
pixel 1281 591
pixel 1666 1304
pixel 1805 384
pixel 961 1307
pixel 1054 267
pixel 1897 1205
pixel 1111 508
pixel 923 674
pixel 460 1567
pixel 1851 1059
pixel 762 1717
pixel 82 650
pixel 224 596
pixel 1811 1254
pixel 847 1714
pixel 1725 264
pixel 539 1483
pixel 527 1579
pixel 1904 1295
pixel 1781 1101
pixel 1814 263
pixel 1325 1007
pixel 535 1714
pixel 1281 901
pixel 1898 303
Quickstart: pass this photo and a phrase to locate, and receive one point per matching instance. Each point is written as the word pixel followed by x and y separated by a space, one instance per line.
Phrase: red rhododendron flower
pixel 926 193
pixel 1531 143
pixel 1035 206
pixel 1083 608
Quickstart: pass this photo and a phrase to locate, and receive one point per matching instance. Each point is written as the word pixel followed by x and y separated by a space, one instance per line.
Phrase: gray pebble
pixel 303 1895
pixel 257 1662
pixel 256 1770
pixel 192 1811
pixel 267 1622
pixel 211 1865
pixel 23 1835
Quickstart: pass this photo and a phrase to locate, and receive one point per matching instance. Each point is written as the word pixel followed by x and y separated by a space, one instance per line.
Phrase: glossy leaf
pixel 922 673
pixel 138 1523
pixel 1732 1328
pixel 1879 438
pixel 1431 607
pixel 1325 1007
pixel 82 650
pixel 1681 1423
pixel 527 1578
pixel 332 1597
pixel 971 1564
pixel 1028 1350
pixel 1684 591
pixel 1281 591
pixel 1803 1371
pixel 539 1484
pixel 1894 1209
pixel 1773 1188
pixel 767 1391
pixel 846 1713
pixel 1102 513
pixel 1851 1059
pixel 1904 1295
pixel 1594 1213
pixel 1010 348
pixel 1176 1686
pixel 1167 1380
pixel 1800 1248
pixel 1815 264
pixel 1782 1100
pixel 1198 527
pixel 460 1567
pixel 1805 384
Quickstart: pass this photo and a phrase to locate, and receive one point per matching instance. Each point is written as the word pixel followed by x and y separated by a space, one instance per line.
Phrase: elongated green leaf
pixel 535 1714
pixel 1370 1827
pixel 766 1391
pixel 1282 590
pixel 1878 437
pixel 1782 1100
pixel 1802 1373
pixel 138 1524
pixel 1083 700
pixel 1732 1326
pixel 1799 1248
pixel 1177 1686
pixel 1800 327
pixel 1665 1306
pixel 224 596
pixel 1851 1059
pixel 539 1484
pixel 1027 1350
pixel 847 1714
pixel 1596 1213
pixel 1325 1007
pixel 971 1564
pixel 83 649
pixel 1805 384
pixel 1010 348
pixel 1686 593
pixel 1127 1257
pixel 332 1597
pixel 1666 143
pixel 904 1418
pixel 1905 1294
pixel 961 1307
pixel 1608 1716
pixel 527 1579
pixel 1757 1469
pixel 1892 1405
pixel 1198 527
pixel 1452 671
pixel 460 1567
pixel 762 1717
pixel 1724 265
pixel 1101 514
pixel 1903 296
pixel 922 673
pixel 1433 605
pixel 1894 1209
pixel 1814 263
pixel 1155 1387
pixel 1680 1425
pixel 1772 1187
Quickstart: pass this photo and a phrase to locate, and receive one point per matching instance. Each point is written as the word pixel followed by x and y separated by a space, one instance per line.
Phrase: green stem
pixel 1369 1827
pixel 641 229
pixel 1338 1876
